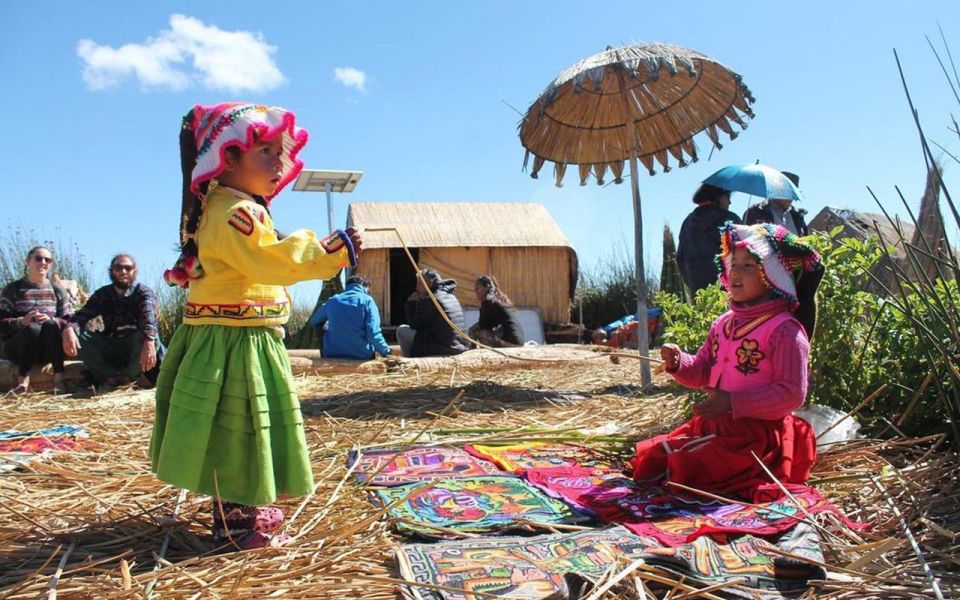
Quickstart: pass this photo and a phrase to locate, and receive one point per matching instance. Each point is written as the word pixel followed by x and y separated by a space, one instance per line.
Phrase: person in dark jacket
pixel 700 237
pixel 129 344
pixel 428 333
pixel 353 323
pixel 779 212
pixel 499 324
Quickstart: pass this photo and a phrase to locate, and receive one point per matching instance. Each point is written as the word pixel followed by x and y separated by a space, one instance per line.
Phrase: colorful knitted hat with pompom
pixel 782 255
pixel 218 127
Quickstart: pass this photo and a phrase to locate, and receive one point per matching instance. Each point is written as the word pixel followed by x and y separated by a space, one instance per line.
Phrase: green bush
pixel 609 290
pixel 686 325
pixel 170 301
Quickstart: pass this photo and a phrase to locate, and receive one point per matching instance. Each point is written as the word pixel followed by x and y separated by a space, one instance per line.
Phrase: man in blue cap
pixel 779 212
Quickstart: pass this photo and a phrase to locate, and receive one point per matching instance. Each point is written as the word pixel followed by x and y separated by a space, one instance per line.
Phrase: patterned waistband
pixel 236 311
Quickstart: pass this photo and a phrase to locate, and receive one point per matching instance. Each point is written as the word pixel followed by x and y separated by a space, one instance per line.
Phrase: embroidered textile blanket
pixel 516 458
pixel 36 445
pixel 472 505
pixel 673 519
pixel 389 467
pixel 19 448
pixel 59 430
pixel 537 567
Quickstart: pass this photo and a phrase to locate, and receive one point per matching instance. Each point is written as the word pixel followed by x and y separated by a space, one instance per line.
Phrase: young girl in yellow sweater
pixel 228 421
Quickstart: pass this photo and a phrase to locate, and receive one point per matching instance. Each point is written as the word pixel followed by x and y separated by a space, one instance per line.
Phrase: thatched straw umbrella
pixel 639 103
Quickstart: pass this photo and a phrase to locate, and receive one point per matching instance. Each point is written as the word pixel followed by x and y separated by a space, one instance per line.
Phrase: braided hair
pixel 188 264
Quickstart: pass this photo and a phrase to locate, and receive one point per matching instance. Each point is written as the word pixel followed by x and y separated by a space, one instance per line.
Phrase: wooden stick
pixel 911 539
pixel 55 579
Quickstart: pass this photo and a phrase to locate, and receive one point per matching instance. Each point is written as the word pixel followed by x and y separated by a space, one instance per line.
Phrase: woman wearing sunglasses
pixel 33 313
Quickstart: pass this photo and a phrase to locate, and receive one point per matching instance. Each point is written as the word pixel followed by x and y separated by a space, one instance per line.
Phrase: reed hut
pixel 862 225
pixel 520 244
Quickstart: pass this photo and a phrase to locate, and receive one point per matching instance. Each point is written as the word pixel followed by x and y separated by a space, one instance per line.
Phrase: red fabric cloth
pixel 676 517
pixel 714 455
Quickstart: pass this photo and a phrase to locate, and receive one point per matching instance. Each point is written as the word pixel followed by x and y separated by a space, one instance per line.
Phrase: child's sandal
pixel 262 519
pixel 251 540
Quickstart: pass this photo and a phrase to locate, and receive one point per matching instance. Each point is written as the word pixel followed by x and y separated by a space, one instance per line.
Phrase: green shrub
pixel 686 325
pixel 170 302
pixel 609 290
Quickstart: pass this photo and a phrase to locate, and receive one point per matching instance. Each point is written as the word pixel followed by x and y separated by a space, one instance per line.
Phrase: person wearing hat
pixel 779 212
pixel 753 367
pixel 228 421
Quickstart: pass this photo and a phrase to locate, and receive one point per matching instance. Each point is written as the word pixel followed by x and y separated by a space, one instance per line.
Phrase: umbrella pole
pixel 643 335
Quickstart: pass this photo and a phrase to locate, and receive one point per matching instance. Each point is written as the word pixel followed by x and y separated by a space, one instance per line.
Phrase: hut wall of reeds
pixel 519 244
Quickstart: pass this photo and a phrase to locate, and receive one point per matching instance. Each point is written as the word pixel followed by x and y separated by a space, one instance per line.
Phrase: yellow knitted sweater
pixel 246 267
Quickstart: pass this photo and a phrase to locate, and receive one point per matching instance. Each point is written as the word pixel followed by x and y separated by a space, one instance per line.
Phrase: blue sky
pixel 419 95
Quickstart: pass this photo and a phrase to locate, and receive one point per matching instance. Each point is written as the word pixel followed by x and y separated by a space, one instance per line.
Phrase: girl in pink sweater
pixel 753 366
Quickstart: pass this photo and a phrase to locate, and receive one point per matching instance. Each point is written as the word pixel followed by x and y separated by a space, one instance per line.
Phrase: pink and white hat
pixel 218 127
pixel 782 255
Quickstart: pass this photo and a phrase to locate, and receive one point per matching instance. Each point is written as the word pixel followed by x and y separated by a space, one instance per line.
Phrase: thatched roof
pixel 457 224
pixel 653 98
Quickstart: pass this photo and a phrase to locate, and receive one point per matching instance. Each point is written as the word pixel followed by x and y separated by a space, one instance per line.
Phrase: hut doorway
pixel 403 282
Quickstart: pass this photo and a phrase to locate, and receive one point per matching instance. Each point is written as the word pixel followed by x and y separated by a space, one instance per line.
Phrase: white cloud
pixel 351 77
pixel 189 52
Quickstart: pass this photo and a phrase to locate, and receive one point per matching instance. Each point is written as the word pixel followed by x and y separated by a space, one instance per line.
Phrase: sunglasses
pixel 43 259
pixel 124 268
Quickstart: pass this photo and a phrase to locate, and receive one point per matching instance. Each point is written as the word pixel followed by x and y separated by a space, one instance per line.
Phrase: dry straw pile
pixel 97 524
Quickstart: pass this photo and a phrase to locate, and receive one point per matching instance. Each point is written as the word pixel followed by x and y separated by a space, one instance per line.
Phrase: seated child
pixel 753 366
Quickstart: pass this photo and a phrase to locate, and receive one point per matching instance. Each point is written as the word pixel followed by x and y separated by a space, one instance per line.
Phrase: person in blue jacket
pixel 353 323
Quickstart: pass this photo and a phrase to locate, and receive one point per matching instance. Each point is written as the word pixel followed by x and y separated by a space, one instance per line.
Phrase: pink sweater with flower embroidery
pixel 770 380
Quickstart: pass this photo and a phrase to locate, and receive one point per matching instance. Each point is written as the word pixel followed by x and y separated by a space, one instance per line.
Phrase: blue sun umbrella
pixel 756 180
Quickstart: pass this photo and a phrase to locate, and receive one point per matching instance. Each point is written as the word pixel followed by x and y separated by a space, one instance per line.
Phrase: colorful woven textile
pixel 473 505
pixel 675 520
pixel 20 448
pixel 417 464
pixel 535 567
pixel 35 445
pixel 58 430
pixel 516 458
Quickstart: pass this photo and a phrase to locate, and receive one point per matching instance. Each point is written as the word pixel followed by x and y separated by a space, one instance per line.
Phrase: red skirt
pixel 713 455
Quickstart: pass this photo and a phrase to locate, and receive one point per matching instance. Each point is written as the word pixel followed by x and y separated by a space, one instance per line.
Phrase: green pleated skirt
pixel 227 419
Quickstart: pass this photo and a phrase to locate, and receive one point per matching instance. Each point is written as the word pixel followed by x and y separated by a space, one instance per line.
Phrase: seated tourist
pixel 499 324
pixel 428 333
pixel 353 323
pixel 129 345
pixel 33 313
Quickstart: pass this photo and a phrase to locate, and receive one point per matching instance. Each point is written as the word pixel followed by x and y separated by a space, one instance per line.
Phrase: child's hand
pixel 670 353
pixel 716 404
pixel 356 238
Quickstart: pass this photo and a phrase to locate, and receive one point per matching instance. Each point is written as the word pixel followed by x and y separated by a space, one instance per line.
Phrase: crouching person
pixel 128 346
pixel 353 323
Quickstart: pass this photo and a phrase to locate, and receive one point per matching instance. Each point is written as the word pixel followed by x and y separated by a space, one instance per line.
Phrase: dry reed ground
pixel 97 524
